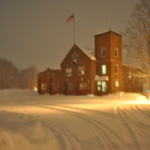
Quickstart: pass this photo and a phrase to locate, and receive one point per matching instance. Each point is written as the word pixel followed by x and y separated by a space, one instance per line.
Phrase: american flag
pixel 70 19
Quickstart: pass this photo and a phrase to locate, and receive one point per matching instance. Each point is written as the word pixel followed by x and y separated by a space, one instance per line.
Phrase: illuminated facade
pixel 108 53
pixel 83 72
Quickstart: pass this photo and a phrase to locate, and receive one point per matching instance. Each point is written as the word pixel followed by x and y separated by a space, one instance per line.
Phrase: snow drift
pixel 41 122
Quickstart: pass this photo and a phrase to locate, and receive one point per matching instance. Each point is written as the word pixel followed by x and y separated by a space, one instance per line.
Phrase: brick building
pixel 98 71
pixel 78 72
pixel 49 81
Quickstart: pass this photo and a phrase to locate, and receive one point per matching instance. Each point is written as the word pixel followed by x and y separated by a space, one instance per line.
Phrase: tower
pixel 108 53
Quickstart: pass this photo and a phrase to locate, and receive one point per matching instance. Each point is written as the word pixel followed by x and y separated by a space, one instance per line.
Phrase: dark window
pixel 69 86
pixel 116 52
pixel 83 85
pixel 116 68
pixel 43 86
pixel 103 51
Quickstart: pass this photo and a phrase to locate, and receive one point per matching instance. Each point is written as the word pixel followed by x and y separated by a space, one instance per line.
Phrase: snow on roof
pixel 101 32
pixel 131 66
pixel 89 53
pixel 105 31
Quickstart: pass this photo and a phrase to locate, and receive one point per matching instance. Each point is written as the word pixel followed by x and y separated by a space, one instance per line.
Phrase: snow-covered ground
pixel 29 121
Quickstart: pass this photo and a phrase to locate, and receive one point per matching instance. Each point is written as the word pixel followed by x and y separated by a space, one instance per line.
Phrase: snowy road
pixel 115 122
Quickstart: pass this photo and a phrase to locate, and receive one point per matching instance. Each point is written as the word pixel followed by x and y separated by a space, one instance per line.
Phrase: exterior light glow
pixel 35 88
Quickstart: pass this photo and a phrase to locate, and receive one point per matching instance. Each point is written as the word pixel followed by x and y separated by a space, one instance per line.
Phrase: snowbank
pixel 16 92
pixel 29 121
pixel 20 132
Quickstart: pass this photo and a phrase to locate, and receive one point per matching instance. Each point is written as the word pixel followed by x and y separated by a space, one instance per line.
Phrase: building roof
pixel 131 66
pixel 106 31
pixel 90 53
pixel 48 70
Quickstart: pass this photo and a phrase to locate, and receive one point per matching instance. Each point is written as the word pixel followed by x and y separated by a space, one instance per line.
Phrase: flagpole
pixel 74 31
pixel 72 19
pixel 74 34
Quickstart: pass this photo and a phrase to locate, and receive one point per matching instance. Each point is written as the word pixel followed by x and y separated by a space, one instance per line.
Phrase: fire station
pixel 99 71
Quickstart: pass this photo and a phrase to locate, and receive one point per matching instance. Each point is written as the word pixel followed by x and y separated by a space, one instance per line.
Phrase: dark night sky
pixel 34 32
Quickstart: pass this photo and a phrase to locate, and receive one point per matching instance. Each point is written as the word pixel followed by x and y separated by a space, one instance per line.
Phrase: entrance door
pixel 104 86
pixel 68 88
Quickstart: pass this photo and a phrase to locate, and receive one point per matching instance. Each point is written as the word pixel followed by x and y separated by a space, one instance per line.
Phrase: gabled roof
pixel 89 53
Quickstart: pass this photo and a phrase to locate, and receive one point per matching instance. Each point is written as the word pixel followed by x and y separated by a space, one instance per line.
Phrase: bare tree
pixel 136 39
pixel 8 74
pixel 28 78
pixel 12 77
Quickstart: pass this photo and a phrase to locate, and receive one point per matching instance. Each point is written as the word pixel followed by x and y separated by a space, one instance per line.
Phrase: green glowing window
pixel 117 83
pixel 104 70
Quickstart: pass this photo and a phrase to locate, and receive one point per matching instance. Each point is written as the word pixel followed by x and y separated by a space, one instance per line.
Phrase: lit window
pixel 117 83
pixel 98 82
pixel 98 88
pixel 99 85
pixel 104 86
pixel 83 85
pixel 68 72
pixel 103 51
pixel 81 70
pixel 116 68
pixel 103 69
pixel 116 52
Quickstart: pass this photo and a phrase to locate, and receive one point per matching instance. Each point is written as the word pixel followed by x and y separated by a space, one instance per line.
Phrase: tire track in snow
pixel 74 115
pixel 147 114
pixel 65 140
pixel 61 139
pixel 97 122
pixel 135 121
pixel 100 127
pixel 121 113
pixel 128 125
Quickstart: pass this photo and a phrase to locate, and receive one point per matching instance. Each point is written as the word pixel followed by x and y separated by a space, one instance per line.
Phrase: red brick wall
pixel 110 41
pixel 50 79
pixel 82 59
